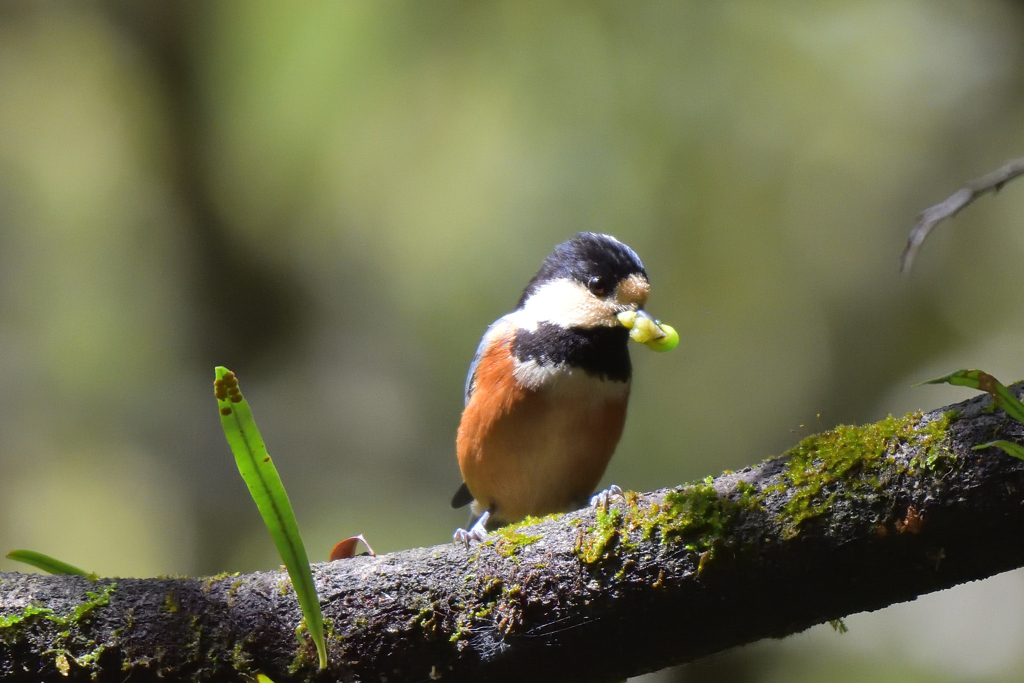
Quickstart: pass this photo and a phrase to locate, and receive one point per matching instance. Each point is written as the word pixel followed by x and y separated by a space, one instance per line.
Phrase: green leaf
pixel 977 379
pixel 1016 450
pixel 260 475
pixel 48 564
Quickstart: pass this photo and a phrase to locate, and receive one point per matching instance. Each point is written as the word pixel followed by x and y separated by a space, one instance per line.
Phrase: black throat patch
pixel 598 351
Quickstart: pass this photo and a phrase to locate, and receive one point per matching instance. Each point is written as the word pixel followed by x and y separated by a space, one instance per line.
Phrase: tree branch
pixel 850 520
pixel 951 205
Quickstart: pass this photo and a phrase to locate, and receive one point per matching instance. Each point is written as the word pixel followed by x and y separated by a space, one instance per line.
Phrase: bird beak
pixel 645 329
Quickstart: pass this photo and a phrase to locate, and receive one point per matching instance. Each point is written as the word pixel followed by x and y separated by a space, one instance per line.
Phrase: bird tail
pixel 462 497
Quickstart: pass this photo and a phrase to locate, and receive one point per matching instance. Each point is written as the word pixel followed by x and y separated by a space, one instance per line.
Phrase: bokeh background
pixel 334 199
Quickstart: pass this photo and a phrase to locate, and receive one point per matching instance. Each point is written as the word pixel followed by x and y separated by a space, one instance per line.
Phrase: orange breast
pixel 525 452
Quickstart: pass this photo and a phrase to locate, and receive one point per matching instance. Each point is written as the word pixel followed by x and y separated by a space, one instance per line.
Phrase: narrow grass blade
pixel 1016 450
pixel 977 379
pixel 48 564
pixel 260 475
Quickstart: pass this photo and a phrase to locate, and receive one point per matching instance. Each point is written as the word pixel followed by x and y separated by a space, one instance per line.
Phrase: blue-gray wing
pixel 471 375
pixel 487 339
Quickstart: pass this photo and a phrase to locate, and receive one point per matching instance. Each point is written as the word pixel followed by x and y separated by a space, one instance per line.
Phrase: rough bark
pixel 899 508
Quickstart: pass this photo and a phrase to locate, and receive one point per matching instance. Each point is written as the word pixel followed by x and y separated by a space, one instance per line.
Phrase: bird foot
pixel 602 499
pixel 477 532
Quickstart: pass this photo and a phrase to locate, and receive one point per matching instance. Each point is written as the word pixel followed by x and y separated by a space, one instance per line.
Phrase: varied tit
pixel 547 390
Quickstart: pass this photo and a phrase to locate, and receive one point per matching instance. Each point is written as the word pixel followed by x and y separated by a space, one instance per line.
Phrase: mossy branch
pixel 850 520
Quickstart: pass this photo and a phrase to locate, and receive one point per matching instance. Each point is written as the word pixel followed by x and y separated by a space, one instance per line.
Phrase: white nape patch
pixel 565 380
pixel 566 303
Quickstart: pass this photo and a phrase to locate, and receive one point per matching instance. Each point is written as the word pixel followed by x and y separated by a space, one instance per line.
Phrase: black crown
pixel 587 255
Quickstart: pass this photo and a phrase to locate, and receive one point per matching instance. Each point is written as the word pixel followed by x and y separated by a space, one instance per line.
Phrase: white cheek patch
pixel 566 303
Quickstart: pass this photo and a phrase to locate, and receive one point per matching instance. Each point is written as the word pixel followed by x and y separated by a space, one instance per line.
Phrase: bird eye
pixel 597 286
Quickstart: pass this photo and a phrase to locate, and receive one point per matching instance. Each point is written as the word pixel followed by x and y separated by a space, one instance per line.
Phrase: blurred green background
pixel 335 199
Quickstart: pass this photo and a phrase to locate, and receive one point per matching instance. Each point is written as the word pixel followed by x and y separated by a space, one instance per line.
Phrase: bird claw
pixel 463 537
pixel 477 532
pixel 604 498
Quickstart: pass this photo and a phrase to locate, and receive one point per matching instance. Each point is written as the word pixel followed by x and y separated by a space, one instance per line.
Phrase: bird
pixel 546 392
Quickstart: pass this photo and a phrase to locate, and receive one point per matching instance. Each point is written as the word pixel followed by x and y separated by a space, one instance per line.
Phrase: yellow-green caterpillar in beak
pixel 646 330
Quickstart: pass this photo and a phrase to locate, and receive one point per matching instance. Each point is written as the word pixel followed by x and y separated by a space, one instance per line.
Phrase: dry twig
pixel 949 207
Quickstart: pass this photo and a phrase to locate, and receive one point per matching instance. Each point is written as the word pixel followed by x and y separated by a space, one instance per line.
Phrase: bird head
pixel 584 283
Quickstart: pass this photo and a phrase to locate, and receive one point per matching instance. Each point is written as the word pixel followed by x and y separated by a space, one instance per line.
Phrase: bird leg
pixel 602 499
pixel 477 532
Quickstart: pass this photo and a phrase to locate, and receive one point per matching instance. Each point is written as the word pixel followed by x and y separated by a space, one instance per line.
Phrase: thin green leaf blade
pixel 1008 402
pixel 978 379
pixel 260 475
pixel 963 378
pixel 48 564
pixel 1014 449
